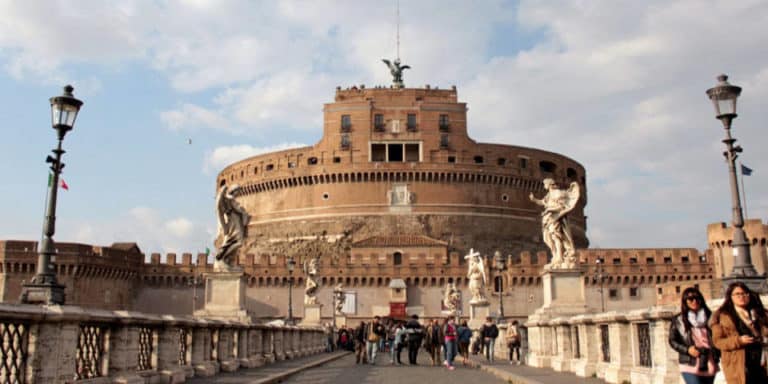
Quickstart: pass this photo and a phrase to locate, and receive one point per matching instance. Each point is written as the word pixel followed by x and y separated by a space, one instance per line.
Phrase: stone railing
pixel 65 344
pixel 629 347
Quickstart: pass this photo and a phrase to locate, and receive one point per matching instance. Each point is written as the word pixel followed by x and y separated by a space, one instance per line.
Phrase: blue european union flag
pixel 746 171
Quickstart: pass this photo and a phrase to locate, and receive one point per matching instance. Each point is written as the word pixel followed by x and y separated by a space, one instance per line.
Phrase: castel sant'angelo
pixel 390 200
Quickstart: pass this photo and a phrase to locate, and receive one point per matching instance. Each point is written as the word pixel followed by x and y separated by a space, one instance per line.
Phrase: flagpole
pixel 743 191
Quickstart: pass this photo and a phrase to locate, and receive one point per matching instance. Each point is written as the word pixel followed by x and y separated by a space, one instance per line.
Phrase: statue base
pixel 563 292
pixel 478 312
pixel 311 314
pixel 224 296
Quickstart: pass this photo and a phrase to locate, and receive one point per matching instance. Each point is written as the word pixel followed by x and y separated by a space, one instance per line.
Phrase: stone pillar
pixel 168 355
pixel 52 352
pixel 585 364
pixel 540 344
pixel 202 361
pixel 477 314
pixel 124 343
pixel 225 350
pixel 665 364
pixel 255 347
pixel 279 347
pixel 562 346
pixel 618 369
pixel 244 348
pixel 296 343
pixel 268 343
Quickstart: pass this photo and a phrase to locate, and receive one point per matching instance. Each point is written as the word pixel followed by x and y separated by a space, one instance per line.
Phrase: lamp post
pixel 291 265
pixel 600 276
pixel 500 265
pixel 724 96
pixel 44 288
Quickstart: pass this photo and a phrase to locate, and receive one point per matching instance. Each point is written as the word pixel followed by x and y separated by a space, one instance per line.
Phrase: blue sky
pixel 618 86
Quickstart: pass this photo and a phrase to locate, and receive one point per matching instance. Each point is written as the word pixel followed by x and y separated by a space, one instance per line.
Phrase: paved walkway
pixel 521 374
pixel 340 367
pixel 271 373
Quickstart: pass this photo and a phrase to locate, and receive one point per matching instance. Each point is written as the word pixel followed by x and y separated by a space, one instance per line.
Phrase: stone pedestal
pixel 311 314
pixel 477 313
pixel 563 292
pixel 563 296
pixel 340 321
pixel 224 296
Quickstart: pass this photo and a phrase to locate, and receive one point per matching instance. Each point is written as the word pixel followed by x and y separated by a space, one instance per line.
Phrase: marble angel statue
pixel 555 230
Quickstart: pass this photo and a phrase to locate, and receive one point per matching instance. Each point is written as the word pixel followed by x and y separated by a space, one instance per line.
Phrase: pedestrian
pixel 489 332
pixel 341 343
pixel 740 332
pixel 360 357
pixel 374 332
pixel 464 336
pixel 513 342
pixel 691 337
pixel 414 335
pixel 450 332
pixel 397 343
pixel 433 340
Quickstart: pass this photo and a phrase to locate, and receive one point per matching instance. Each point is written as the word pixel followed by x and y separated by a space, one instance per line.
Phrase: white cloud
pixel 148 227
pixel 190 116
pixel 220 157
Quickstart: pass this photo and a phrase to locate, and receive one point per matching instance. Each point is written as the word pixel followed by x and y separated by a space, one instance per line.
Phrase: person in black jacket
pixel 414 334
pixel 489 332
pixel 691 337
pixel 360 356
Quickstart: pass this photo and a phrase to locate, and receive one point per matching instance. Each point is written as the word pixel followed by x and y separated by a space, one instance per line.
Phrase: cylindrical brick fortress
pixel 400 162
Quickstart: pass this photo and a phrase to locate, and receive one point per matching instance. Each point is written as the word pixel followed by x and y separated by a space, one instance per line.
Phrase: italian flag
pixel 63 183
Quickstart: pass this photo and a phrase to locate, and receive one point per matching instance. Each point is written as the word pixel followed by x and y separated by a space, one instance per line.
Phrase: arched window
pixel 397 258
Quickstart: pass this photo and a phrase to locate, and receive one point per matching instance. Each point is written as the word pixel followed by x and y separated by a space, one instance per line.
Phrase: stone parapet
pixel 130 347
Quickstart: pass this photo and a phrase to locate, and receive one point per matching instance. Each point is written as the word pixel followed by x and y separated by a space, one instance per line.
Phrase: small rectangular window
pixel 685 260
pixel 411 121
pixel 650 260
pixel 291 164
pixel 378 152
pixel 443 141
pixel 502 161
pixel 378 122
pixel 633 260
pixel 523 163
pixel 345 141
pixel 634 292
pixel 336 159
pixel 444 123
pixel 346 123
pixel 270 167
pixel 616 261
pixel 451 159
pixel 660 290
pixel 702 259
pixel 613 293
pixel 667 260
pixel 677 289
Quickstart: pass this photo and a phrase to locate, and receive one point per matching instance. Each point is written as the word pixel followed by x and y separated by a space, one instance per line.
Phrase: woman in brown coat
pixel 740 331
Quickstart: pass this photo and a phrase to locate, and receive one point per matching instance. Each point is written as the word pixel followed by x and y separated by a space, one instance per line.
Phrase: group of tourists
pixel 444 340
pixel 735 335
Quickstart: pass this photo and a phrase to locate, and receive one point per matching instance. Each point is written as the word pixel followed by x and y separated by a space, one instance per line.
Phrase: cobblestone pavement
pixel 345 370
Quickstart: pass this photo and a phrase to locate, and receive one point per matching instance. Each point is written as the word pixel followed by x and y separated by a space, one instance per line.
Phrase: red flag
pixel 64 185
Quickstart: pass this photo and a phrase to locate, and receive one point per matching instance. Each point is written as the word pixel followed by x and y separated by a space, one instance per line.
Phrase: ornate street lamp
pixel 500 265
pixel 600 276
pixel 724 96
pixel 291 265
pixel 44 288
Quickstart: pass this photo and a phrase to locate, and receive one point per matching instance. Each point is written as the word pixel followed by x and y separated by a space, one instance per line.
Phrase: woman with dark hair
pixel 740 331
pixel 690 336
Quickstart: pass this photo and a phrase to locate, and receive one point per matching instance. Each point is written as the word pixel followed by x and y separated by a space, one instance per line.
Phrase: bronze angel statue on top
pixel 397 71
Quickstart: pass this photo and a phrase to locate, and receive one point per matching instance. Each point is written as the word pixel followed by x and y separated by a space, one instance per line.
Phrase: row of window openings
pixel 651 260
pixel 379 125
pixel 394 153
